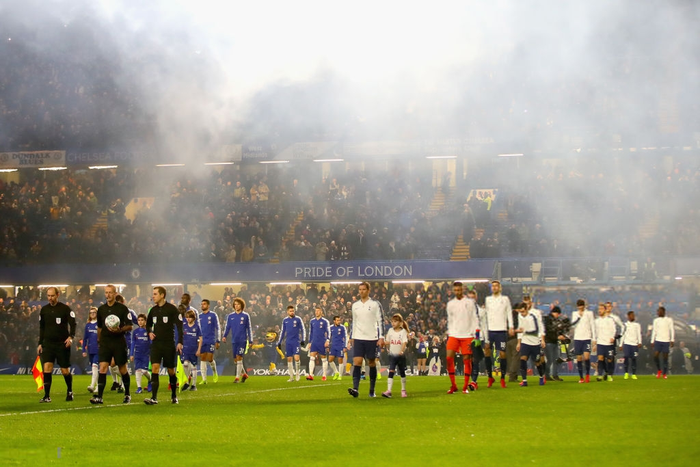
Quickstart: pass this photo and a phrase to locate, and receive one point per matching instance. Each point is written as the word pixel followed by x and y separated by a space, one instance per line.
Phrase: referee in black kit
pixel 161 322
pixel 112 343
pixel 56 333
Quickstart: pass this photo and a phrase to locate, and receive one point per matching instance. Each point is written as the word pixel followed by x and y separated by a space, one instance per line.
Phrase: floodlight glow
pixel 226 283
pixel 274 162
pixel 53 168
pixel 101 167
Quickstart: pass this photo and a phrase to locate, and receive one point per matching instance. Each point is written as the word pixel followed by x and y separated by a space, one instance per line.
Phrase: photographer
pixel 556 326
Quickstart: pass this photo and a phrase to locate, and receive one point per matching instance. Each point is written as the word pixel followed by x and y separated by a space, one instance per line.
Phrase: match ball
pixel 112 322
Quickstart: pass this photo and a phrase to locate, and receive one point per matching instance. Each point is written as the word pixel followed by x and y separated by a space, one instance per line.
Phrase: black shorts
pixel 113 349
pixel 164 353
pixel 364 349
pixel 55 352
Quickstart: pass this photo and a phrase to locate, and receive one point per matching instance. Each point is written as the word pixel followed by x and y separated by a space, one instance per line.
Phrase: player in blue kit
pixel 191 348
pixel 211 336
pixel 319 329
pixel 338 347
pixel 295 333
pixel 140 353
pixel 238 324
pixel 90 347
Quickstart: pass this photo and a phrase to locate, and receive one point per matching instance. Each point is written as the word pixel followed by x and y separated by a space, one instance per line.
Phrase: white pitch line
pixel 92 407
pixel 272 390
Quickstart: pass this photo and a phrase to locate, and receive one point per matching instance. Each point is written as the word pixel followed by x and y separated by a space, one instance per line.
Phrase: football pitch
pixel 268 421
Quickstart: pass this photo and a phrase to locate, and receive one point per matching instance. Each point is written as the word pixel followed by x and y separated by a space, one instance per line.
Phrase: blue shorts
pixel 319 347
pixel 498 340
pixel 530 351
pixel 238 348
pixel 94 360
pixel 141 362
pixel 208 347
pixel 607 351
pixel 291 348
pixel 663 347
pixel 191 357
pixel 582 346
pixel 337 352
pixel 364 349
pixel 631 351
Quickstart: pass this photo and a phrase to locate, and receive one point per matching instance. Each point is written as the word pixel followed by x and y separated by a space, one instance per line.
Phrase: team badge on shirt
pixel 165 319
pixel 72 314
pixel 155 320
pixel 58 320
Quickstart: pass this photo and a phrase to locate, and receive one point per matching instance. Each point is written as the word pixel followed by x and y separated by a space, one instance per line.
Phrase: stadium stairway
pixel 100 224
pixel 289 236
pixel 460 251
pixel 650 226
pixel 438 201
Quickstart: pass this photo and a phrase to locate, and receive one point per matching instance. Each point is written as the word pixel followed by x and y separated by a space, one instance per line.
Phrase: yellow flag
pixel 180 372
pixel 38 373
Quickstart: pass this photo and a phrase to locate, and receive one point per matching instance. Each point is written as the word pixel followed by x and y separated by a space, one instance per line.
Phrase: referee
pixel 56 333
pixel 161 322
pixel 111 344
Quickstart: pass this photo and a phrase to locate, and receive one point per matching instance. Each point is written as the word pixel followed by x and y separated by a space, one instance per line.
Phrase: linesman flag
pixel 181 376
pixel 38 373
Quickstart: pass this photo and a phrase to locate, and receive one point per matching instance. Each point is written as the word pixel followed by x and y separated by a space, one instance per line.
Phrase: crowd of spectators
pixel 588 207
pixel 423 307
pixel 226 216
pixel 582 210
pixel 67 98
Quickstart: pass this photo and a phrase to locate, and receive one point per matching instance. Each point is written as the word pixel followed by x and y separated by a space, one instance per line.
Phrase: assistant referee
pixel 56 334
pixel 161 323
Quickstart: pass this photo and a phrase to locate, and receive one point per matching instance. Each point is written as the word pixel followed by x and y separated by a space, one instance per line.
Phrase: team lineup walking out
pixel 114 336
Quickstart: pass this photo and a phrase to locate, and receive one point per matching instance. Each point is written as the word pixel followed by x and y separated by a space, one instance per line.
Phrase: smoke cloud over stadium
pixel 212 72
pixel 534 77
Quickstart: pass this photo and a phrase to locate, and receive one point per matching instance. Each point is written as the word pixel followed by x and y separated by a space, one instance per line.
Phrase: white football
pixel 112 322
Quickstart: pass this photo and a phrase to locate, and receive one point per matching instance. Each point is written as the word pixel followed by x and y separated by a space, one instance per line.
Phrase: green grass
pixel 267 421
